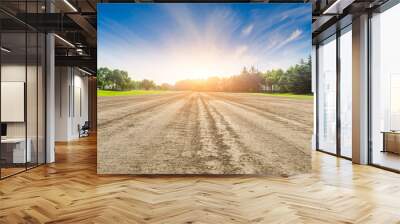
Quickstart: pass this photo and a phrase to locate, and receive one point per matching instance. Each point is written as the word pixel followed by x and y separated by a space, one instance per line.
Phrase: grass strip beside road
pixel 152 92
pixel 130 92
pixel 288 95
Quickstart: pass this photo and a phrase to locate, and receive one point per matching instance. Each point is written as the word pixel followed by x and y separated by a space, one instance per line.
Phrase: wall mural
pixel 204 89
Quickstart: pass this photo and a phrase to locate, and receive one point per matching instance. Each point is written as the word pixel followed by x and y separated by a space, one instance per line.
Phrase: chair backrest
pixel 87 124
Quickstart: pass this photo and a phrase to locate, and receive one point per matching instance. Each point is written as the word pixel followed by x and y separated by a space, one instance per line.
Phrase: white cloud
pixel 246 31
pixel 294 36
pixel 285 16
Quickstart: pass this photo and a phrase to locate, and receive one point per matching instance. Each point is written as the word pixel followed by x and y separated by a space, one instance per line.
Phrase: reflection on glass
pixel 22 92
pixel 385 93
pixel 327 96
pixel 346 93
pixel 14 153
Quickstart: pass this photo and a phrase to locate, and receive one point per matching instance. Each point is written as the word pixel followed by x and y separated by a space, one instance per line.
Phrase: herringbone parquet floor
pixel 69 191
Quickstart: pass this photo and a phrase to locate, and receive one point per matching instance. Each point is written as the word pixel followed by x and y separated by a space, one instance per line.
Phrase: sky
pixel 175 41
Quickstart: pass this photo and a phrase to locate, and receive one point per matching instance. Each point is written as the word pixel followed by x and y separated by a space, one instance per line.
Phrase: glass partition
pixel 346 93
pixel 385 89
pixel 22 101
pixel 14 153
pixel 327 95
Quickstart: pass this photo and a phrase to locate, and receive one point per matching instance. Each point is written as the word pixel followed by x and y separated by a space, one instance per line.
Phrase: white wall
pixel 79 117
pixel 33 126
pixel 16 73
pixel 62 82
pixel 70 83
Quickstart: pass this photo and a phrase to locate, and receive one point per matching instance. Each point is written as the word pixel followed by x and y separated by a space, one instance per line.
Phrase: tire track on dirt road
pixel 200 133
pixel 271 114
pixel 216 150
pixel 243 158
pixel 175 149
pixel 122 118
pixel 124 102
pixel 234 152
pixel 282 129
pixel 264 142
pixel 130 142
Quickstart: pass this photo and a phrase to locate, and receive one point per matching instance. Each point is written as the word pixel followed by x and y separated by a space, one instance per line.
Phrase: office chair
pixel 84 130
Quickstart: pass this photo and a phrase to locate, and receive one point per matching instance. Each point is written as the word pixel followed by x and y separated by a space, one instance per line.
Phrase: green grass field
pixel 151 92
pixel 288 95
pixel 129 93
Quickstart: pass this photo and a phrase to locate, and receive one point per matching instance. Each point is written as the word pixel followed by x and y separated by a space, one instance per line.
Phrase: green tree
pixel 299 77
pixel 102 74
pixel 116 79
pixel 148 84
pixel 126 80
pixel 275 80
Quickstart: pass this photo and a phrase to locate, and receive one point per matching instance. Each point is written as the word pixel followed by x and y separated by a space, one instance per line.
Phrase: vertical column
pixel 360 89
pixel 50 92
pixel 50 99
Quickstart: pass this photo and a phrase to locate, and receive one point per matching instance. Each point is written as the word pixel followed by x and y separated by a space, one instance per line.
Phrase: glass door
pixel 22 101
pixel 385 89
pixel 14 155
pixel 346 92
pixel 327 95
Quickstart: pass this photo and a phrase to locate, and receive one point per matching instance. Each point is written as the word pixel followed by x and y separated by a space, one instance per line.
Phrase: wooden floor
pixel 5 172
pixel 69 191
pixel 387 159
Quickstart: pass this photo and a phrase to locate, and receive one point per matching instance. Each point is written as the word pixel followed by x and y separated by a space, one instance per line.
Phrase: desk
pixel 391 141
pixel 18 150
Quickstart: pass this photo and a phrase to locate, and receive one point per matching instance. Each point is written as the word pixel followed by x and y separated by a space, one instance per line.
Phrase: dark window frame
pixel 338 33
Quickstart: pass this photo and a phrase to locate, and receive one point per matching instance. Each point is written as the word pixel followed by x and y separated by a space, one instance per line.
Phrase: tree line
pixel 296 79
pixel 119 80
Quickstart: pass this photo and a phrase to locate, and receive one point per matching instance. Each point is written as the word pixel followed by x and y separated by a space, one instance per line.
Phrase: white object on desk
pixel 19 155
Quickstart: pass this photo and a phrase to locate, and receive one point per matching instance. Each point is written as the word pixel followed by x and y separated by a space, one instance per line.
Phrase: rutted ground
pixel 204 133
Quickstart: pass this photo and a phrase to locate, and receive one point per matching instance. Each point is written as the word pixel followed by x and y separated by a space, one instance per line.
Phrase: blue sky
pixel 171 42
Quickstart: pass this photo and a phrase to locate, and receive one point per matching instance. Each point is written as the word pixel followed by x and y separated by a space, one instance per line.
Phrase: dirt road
pixel 199 133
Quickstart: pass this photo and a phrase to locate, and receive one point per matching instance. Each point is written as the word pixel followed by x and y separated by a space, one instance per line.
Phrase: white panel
pixel 12 101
